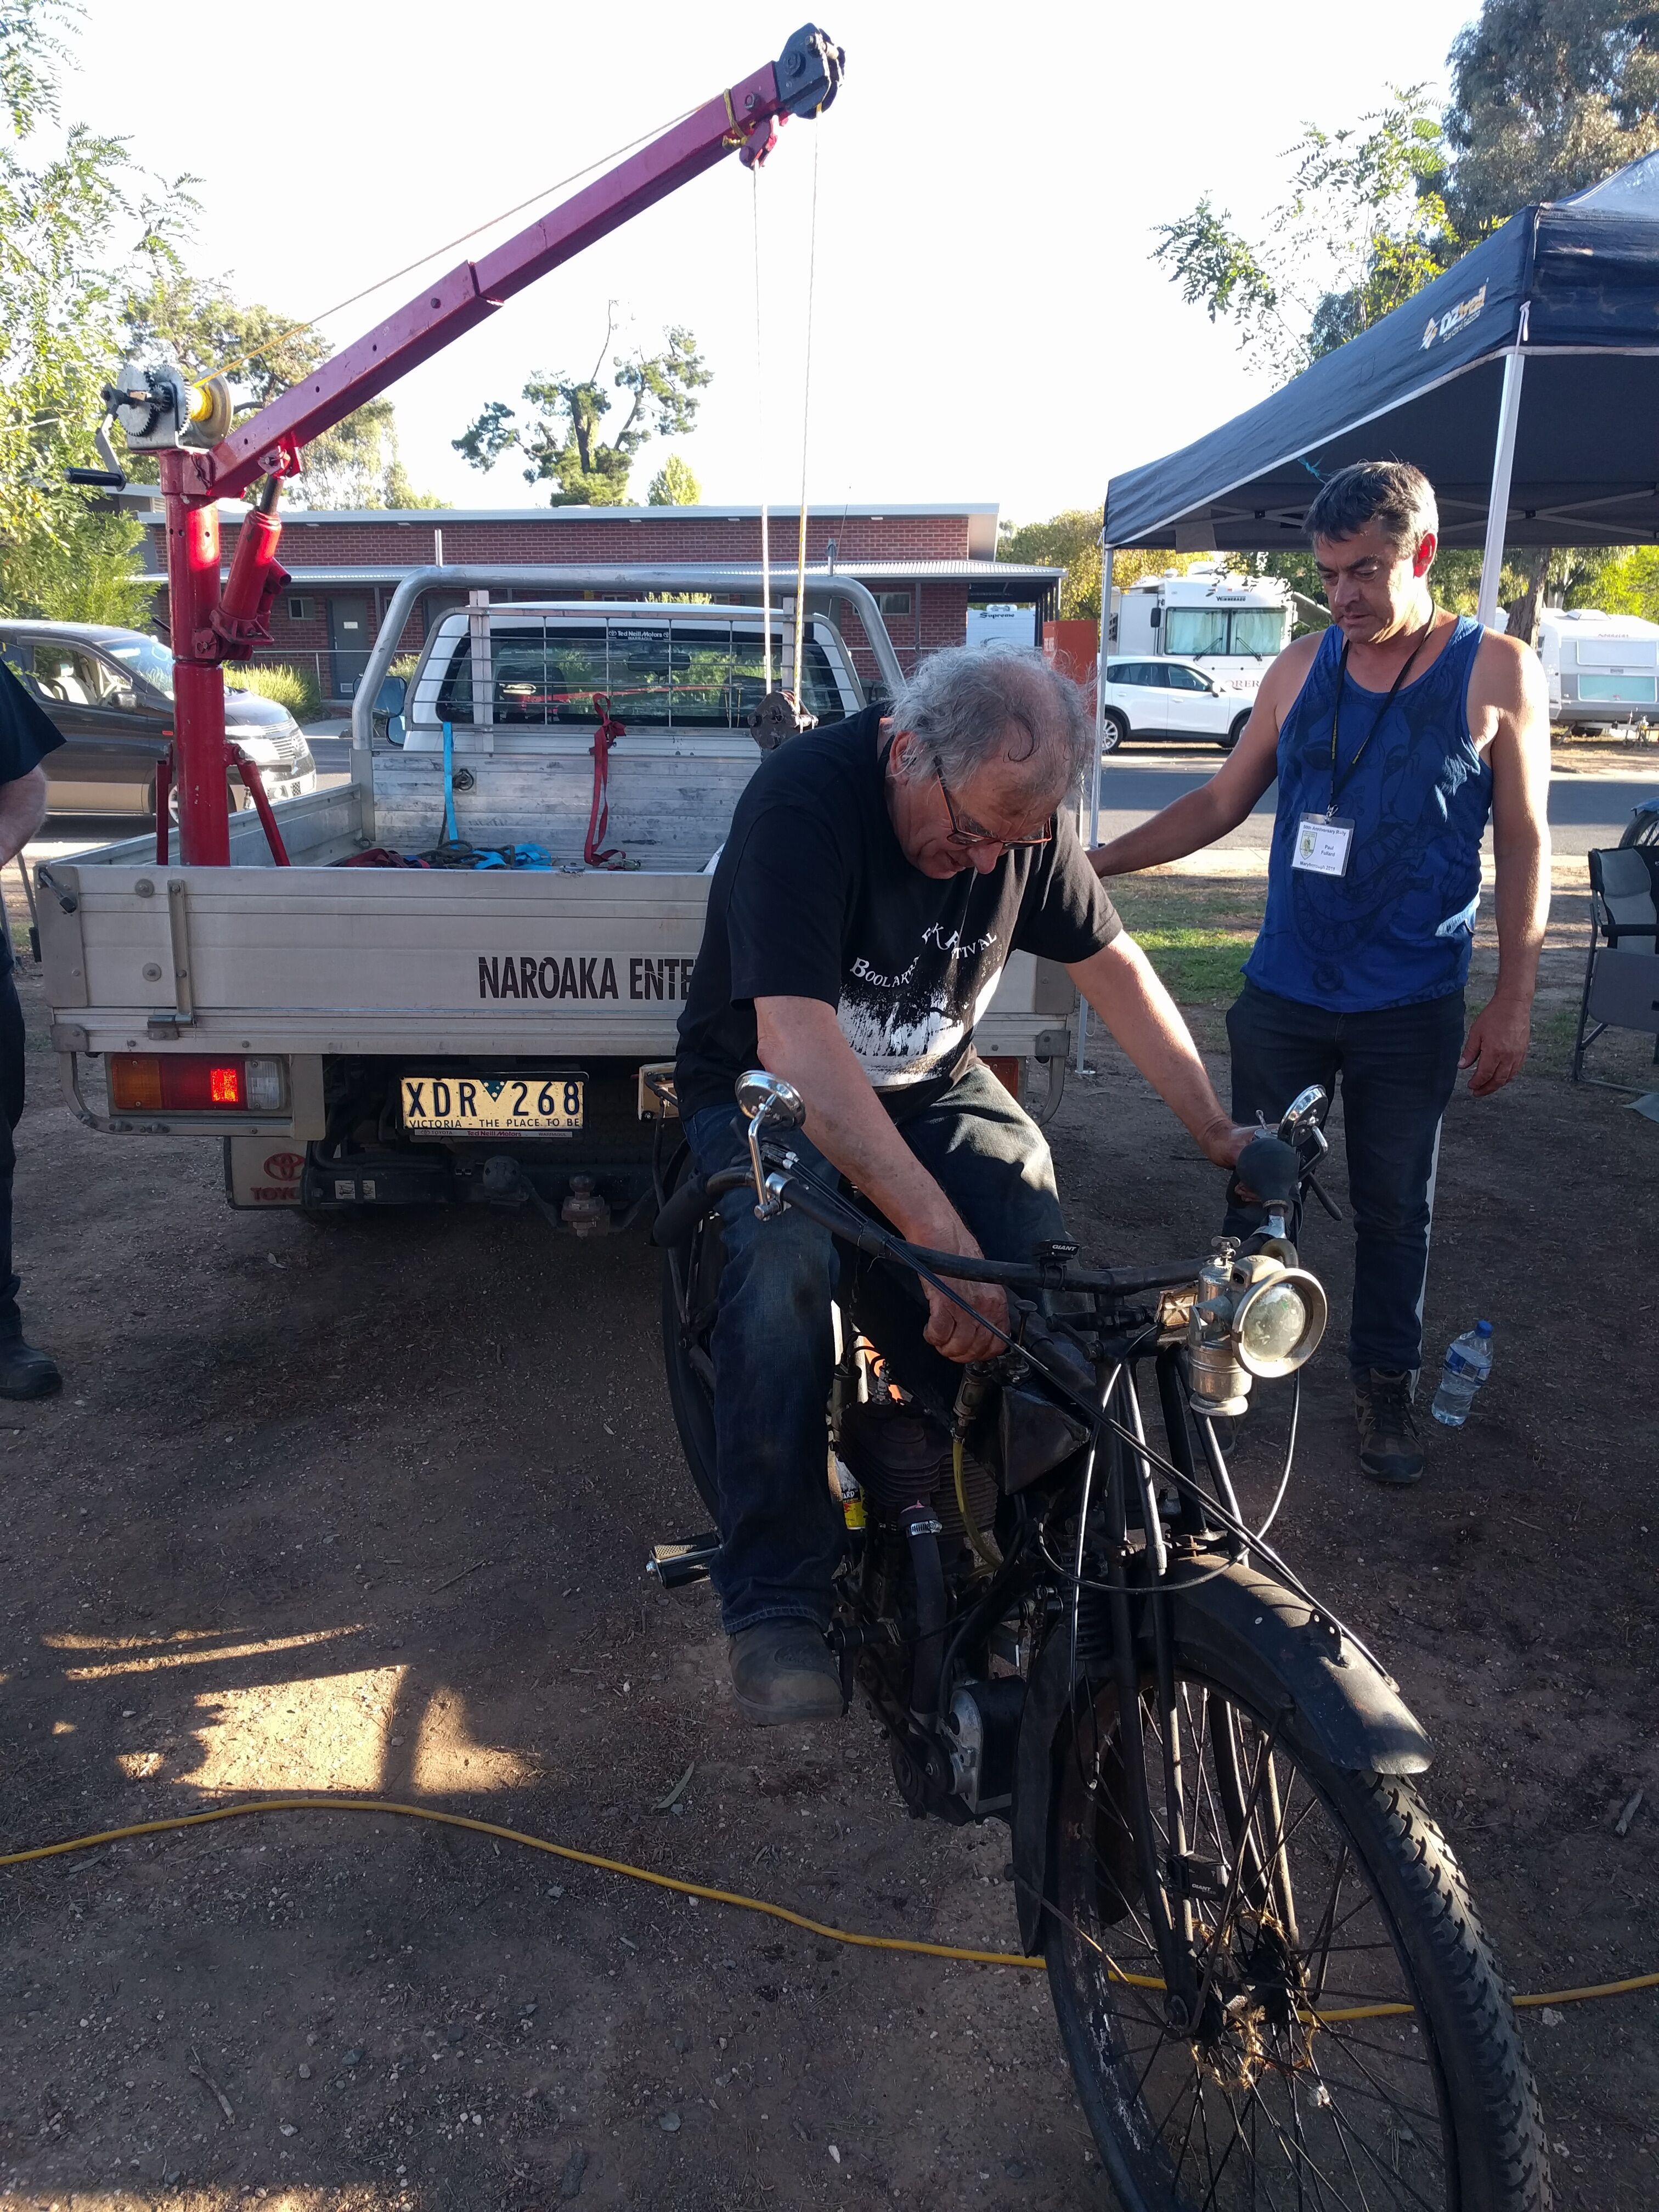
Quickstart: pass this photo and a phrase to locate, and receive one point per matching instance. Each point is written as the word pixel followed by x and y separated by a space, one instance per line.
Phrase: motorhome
pixel 1233 624
pixel 1604 669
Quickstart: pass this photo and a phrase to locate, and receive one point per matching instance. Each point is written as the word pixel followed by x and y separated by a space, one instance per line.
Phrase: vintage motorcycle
pixel 1271 1982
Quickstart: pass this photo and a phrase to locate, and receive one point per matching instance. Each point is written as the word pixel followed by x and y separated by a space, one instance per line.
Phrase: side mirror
pixel 124 701
pixel 389 704
pixel 1303 1113
pixel 768 1102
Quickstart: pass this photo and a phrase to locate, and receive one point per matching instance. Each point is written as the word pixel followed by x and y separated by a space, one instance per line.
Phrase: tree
pixel 200 324
pixel 79 227
pixel 675 484
pixel 1364 226
pixel 1548 96
pixel 1072 541
pixel 561 441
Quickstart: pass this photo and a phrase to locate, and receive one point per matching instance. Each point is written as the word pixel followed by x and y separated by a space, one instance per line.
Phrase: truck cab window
pixel 640 674
pixel 577 670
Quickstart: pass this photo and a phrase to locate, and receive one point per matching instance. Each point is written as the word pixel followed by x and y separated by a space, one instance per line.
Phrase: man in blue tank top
pixel 1393 735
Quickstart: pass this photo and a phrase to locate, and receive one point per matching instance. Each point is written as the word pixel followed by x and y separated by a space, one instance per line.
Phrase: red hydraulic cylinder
pixel 256 577
pixel 198 679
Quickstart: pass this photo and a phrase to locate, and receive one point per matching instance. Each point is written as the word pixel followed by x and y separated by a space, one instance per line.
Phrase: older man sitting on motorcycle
pixel 878 875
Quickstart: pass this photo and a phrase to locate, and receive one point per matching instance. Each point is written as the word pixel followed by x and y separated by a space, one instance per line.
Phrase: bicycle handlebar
pixel 840 1217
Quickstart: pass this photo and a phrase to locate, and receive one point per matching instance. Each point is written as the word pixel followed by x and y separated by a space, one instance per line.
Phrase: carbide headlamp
pixel 1253 1316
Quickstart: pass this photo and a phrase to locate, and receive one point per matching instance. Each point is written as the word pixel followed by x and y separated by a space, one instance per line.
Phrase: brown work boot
pixel 784 1672
pixel 1389 1449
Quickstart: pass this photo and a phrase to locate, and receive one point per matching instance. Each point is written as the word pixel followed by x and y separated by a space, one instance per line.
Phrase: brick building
pixel 926 565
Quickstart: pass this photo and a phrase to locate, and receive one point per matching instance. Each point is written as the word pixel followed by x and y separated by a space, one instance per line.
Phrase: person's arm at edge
pixel 23 810
pixel 801 1040
pixel 1508 677
pixel 1198 817
pixel 1122 985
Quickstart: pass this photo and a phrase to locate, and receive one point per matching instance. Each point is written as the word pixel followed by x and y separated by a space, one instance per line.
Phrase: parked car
pixel 110 694
pixel 1170 698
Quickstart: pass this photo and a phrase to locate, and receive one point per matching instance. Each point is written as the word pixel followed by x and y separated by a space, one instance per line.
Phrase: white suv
pixel 1170 698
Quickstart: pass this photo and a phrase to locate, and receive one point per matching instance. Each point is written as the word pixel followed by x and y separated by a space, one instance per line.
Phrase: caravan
pixel 1602 669
pixel 1233 625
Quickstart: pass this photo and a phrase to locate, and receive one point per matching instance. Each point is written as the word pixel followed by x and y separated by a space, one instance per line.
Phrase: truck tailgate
pixel 333 960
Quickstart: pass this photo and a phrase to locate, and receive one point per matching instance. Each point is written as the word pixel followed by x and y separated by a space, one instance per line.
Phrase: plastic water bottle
pixel 1469 1363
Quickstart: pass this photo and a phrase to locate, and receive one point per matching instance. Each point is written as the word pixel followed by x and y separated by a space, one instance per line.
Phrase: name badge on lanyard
pixel 1323 842
pixel 1322 845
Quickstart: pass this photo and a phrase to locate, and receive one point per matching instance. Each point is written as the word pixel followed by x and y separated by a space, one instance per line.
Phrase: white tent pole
pixel 1094 773
pixel 1502 467
pixel 1100 693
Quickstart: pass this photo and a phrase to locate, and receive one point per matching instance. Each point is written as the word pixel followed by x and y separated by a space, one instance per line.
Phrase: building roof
pixel 1018 580
pixel 980 515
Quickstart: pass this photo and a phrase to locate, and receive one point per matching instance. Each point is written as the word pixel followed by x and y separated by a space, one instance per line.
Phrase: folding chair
pixel 1622 985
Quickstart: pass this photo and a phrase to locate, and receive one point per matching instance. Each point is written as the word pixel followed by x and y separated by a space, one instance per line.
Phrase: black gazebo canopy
pixel 1524 383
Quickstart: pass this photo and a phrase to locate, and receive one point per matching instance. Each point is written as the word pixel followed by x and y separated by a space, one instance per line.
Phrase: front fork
pixel 1165 1888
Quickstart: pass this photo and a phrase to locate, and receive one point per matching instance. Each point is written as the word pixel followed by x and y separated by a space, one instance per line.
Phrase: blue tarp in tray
pixel 1574 283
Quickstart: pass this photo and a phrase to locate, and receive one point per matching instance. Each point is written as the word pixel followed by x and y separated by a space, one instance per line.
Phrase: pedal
pixel 689 1561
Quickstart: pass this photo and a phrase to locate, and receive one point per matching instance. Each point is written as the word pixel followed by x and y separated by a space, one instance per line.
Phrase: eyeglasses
pixel 967 834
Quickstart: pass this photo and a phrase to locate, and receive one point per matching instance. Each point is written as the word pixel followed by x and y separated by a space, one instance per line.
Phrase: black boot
pixel 1389 1449
pixel 25 1372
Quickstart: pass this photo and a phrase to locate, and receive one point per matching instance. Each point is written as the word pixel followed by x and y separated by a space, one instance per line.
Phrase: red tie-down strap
pixel 599 818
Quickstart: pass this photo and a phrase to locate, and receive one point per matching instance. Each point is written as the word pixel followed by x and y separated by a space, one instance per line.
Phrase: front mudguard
pixel 1284 1657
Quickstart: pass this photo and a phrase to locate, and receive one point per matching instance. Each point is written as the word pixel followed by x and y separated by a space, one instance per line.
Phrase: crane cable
pixel 602 160
pixel 760 447
pixel 963 1953
pixel 806 424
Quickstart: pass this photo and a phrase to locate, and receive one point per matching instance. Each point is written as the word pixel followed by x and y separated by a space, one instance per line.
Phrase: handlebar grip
pixel 1269 1168
pixel 693 1199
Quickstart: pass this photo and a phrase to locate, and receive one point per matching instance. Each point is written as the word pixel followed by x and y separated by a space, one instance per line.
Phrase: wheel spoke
pixel 1287 1922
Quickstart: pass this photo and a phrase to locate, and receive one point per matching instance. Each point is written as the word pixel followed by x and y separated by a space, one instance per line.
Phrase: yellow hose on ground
pixel 801 1920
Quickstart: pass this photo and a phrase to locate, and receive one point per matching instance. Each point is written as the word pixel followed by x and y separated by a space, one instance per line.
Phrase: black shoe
pixel 1389 1449
pixel 783 1671
pixel 25 1372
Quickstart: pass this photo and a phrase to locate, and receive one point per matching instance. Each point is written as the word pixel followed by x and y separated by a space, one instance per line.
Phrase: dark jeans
pixel 781 1531
pixel 1396 1068
pixel 11 1112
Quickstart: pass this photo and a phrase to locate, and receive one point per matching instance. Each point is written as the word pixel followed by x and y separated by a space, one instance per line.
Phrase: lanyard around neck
pixel 1341 776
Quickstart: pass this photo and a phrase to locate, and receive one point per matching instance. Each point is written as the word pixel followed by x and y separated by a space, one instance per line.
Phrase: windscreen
pixel 146 658
pixel 1259 630
pixel 1190 631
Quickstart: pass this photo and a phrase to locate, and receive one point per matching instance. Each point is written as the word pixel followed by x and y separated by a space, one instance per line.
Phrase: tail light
pixel 195 1083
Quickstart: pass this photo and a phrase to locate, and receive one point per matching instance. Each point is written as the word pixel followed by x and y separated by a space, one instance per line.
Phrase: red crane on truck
pixel 204 459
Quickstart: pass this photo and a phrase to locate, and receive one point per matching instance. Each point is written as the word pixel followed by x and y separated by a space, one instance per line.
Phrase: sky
pixel 987 323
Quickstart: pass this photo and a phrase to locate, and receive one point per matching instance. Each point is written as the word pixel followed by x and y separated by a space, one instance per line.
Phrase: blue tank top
pixel 1397 927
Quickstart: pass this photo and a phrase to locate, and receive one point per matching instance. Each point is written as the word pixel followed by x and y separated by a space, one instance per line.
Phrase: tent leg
pixel 1502 467
pixel 1094 772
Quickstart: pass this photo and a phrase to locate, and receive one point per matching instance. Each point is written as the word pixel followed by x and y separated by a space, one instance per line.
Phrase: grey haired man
pixel 876 877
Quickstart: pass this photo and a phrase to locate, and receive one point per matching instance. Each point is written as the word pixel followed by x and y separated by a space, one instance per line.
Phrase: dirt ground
pixel 348 2011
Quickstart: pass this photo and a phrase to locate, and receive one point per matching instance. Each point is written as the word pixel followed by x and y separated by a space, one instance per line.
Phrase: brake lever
pixel 1311 1183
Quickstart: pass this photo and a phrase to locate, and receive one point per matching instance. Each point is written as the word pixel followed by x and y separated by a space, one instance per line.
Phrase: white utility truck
pixel 1233 624
pixel 1604 669
pixel 361 1032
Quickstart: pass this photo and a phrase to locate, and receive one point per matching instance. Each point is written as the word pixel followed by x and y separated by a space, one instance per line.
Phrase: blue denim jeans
pixel 782 1533
pixel 1396 1068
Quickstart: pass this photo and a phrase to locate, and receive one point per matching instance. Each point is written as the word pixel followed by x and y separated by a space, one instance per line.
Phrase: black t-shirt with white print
pixel 813 898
